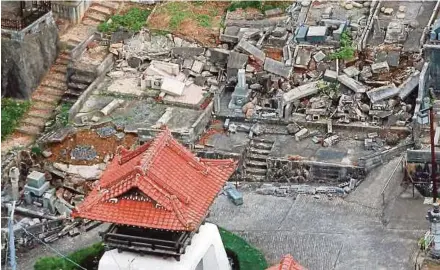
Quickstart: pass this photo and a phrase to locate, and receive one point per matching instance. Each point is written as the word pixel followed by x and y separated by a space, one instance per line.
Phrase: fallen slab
pixel 172 87
pixel 352 84
pixel 383 92
pixel 277 68
pixel 301 92
pixel 251 49
pixel 409 85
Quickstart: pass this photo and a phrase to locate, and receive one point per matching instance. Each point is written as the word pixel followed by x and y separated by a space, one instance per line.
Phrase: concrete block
pixel 409 85
pixel 381 93
pixel 228 38
pixel 351 71
pixel 317 34
pixel 273 12
pixel 169 68
pixel 302 91
pixel 219 55
pixel 352 84
pixel 302 134
pixel 380 67
pixel 251 49
pixel 237 60
pixel 186 52
pixel 319 56
pixel 277 68
pixel 197 67
pixel 172 87
pixel 330 75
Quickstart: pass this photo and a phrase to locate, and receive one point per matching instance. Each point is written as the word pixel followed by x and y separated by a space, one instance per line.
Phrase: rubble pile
pixel 293 190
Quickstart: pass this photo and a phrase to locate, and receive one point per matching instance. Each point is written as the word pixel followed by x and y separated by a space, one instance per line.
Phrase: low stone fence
pixel 372 161
pixel 33 28
pixel 73 11
pixel 295 171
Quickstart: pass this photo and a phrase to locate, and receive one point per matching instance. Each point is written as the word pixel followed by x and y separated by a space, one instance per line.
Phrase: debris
pixel 277 68
pixel 251 49
pixel 112 106
pixel 301 92
pixel 380 67
pixel 331 140
pixel 351 71
pixel 172 87
pixel 352 84
pixel 84 152
pixel 197 67
pixel 319 56
pixel 302 134
pixel 330 75
pixel 381 93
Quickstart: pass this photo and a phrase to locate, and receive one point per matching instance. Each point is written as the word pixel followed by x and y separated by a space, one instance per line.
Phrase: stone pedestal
pixel 241 93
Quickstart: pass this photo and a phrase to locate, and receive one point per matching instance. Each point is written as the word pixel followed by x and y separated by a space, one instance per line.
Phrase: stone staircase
pixel 46 97
pixel 100 12
pixel 255 165
pixel 76 85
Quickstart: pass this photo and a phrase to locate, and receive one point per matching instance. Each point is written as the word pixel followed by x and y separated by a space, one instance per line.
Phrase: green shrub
pixel 133 20
pixel 81 257
pixel 36 150
pixel 12 111
pixel 63 116
pixel 346 51
pixel 204 20
pixel 249 258
pixel 245 4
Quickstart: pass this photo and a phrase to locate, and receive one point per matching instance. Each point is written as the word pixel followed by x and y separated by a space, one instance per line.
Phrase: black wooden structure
pixel 29 12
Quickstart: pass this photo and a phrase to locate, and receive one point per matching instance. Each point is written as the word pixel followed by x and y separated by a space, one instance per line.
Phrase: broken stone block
pixel 187 52
pixel 393 58
pixel 352 84
pixel 134 62
pixel 188 63
pixel 381 93
pixel 351 71
pixel 219 55
pixel 279 32
pixel 409 85
pixel 388 11
pixel 237 60
pixel 277 68
pixel 302 91
pixel 302 134
pixel 319 56
pixel 111 106
pixel 292 128
pixel 332 140
pixel 303 58
pixel 380 67
pixel 172 87
pixel 330 75
pixel 366 72
pixel 251 49
pixel 46 153
pixel 197 67
pixel 169 68
pixel 273 12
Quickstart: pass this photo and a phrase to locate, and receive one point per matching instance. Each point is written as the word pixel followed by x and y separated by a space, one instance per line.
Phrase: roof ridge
pixel 188 156
pixel 182 197
pixel 156 146
pixel 153 196
pixel 124 155
pixel 177 207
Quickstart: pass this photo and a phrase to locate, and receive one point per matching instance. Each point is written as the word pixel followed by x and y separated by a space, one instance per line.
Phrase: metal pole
pixel 433 161
pixel 11 238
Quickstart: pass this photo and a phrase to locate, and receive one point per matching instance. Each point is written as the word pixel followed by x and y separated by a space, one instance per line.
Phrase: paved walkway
pixel 49 93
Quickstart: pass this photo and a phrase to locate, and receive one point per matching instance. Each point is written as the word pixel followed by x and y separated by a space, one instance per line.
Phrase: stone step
pixel 256 171
pixel 46 114
pixel 95 16
pixel 69 99
pixel 256 164
pixel 53 84
pixel 29 130
pixel 259 151
pixel 46 98
pixel 256 139
pixel 89 22
pixel 59 69
pixel 256 157
pixel 255 178
pixel 81 79
pixel 34 121
pixel 102 10
pixel 264 146
pixel 64 55
pixel 62 61
pixel 56 77
pixel 51 91
pixel 111 5
pixel 37 105
pixel 73 93
pixel 79 86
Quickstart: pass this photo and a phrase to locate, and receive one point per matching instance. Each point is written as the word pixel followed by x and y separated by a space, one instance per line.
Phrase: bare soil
pixel 103 146
pixel 190 27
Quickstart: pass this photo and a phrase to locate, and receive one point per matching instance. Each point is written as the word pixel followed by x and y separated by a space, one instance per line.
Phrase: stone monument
pixel 14 175
pixel 241 93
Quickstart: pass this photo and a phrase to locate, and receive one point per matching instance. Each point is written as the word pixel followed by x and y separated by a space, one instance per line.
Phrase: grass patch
pixel 260 5
pixel 346 51
pixel 249 258
pixel 133 20
pixel 180 11
pixel 156 32
pixel 81 257
pixel 12 111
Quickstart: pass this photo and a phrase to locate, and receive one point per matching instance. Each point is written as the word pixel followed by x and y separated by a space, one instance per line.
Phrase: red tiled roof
pixel 287 263
pixel 178 187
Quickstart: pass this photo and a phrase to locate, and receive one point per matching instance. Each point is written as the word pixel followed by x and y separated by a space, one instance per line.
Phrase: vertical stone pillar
pixel 14 176
pixel 434 218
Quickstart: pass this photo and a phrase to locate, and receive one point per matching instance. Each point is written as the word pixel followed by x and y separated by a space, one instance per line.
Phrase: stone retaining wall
pixel 35 27
pixel 292 171
pixel 372 161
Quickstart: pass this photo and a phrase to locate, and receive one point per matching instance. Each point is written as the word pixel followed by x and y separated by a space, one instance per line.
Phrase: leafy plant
pixel 12 111
pixel 346 51
pixel 204 20
pixel 81 257
pixel 260 5
pixel 36 150
pixel 133 20
pixel 63 116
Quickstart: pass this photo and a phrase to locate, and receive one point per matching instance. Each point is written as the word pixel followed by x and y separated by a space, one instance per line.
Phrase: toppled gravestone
pixel 83 152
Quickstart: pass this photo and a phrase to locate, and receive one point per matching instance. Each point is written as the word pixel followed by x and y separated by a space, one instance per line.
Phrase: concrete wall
pixel 432 54
pixel 202 121
pixel 25 62
pixel 421 156
pixel 33 28
pixel 372 161
pixel 292 171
